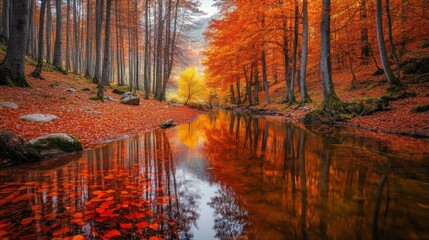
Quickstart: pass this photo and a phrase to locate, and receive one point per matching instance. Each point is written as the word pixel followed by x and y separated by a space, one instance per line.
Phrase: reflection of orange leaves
pixel 124 192
pixel 110 191
pixel 154 238
pixel 112 233
pixel 4 225
pixel 126 225
pixel 61 231
pixel 150 212
pixel 109 177
pixel 78 237
pixel 23 197
pixel 154 226
pixel 100 210
pixel 142 225
pixel 27 221
pixel 107 213
pixel 101 219
pixel 78 215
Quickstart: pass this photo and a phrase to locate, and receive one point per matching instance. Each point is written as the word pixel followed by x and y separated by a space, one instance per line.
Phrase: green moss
pixel 58 143
pixel 120 90
pixel 420 109
pixel 87 89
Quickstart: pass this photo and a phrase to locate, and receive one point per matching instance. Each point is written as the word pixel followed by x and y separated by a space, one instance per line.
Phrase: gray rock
pixel 109 99
pixel 40 118
pixel 306 109
pixel 72 90
pixel 168 123
pixel 55 144
pixel 130 99
pixel 11 105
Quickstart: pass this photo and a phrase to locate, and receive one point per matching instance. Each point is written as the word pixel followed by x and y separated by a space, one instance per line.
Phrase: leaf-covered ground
pixel 91 121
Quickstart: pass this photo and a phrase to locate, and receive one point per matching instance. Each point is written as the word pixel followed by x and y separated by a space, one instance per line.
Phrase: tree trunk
pixel 304 55
pixel 98 28
pixel 88 40
pixel 48 31
pixel 264 77
pixel 68 37
pixel 37 72
pixel 392 47
pixel 146 77
pixel 364 50
pixel 257 86
pixel 238 91
pixel 231 90
pixel 106 63
pixel 30 50
pixel 58 37
pixel 5 21
pixel 394 82
pixel 12 68
pixel 329 95
pixel 291 86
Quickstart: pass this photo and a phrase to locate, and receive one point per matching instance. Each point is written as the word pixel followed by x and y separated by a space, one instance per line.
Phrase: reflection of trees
pixel 229 217
pixel 134 179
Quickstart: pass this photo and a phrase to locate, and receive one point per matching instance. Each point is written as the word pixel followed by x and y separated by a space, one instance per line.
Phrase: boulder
pixel 72 90
pixel 13 149
pixel 40 118
pixel 9 105
pixel 55 144
pixel 168 123
pixel 130 99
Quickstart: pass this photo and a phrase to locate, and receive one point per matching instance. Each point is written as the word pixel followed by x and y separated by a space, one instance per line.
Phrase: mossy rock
pixel 120 90
pixel 55 144
pixel 13 149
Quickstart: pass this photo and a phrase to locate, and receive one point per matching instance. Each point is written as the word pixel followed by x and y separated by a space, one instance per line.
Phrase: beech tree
pixel 12 68
pixel 58 37
pixel 37 72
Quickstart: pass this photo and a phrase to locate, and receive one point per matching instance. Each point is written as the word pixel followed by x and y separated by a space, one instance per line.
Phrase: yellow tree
pixel 191 86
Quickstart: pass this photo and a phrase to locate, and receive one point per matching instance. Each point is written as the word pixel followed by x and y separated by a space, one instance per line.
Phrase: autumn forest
pixel 214 119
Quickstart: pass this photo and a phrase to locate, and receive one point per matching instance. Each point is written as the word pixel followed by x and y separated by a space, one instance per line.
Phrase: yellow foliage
pixel 191 85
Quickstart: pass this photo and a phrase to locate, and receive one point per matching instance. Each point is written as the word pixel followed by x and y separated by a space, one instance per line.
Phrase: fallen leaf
pixel 78 237
pixel 100 210
pixel 78 215
pixel 126 225
pixel 2 233
pixel 154 226
pixel 112 233
pixel 61 231
pixel 27 221
pixel 142 225
pixel 154 238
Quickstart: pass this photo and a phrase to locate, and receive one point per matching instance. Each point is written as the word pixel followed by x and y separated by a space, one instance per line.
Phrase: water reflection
pixel 224 176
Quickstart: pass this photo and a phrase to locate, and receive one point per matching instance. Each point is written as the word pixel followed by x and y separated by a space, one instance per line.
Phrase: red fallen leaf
pixel 131 216
pixel 61 231
pixel 150 212
pixel 107 213
pixel 27 221
pixel 78 215
pixel 78 237
pixel 142 225
pixel 109 177
pixel 101 219
pixel 110 191
pixel 100 210
pixel 4 225
pixel 126 225
pixel 154 226
pixel 112 233
pixel 140 215
pixel 154 238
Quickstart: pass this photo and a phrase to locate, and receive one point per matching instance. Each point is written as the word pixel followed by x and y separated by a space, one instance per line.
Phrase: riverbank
pixel 93 122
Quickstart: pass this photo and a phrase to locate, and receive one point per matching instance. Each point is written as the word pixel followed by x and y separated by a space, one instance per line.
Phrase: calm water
pixel 225 176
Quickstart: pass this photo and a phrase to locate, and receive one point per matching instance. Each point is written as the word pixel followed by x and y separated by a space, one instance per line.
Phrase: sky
pixel 206 6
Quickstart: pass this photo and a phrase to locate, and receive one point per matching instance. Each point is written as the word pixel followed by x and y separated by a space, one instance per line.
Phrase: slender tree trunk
pixel 146 77
pixel 231 90
pixel 12 68
pixel 304 55
pixel 37 72
pixel 98 29
pixel 106 63
pixel 5 21
pixel 393 81
pixel 31 31
pixel 364 50
pixel 329 95
pixel 76 26
pixel 88 40
pixel 264 77
pixel 68 67
pixel 238 91
pixel 58 37
pixel 392 47
pixel 48 31
pixel 291 87
pixel 257 86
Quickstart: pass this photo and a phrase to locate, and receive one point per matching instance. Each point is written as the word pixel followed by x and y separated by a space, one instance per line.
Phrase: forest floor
pixel 93 122
pixel 398 119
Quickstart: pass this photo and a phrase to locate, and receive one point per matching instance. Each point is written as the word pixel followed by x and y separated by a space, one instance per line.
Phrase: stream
pixel 225 176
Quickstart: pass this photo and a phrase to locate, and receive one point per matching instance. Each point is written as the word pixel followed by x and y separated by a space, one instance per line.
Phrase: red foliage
pixel 91 121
